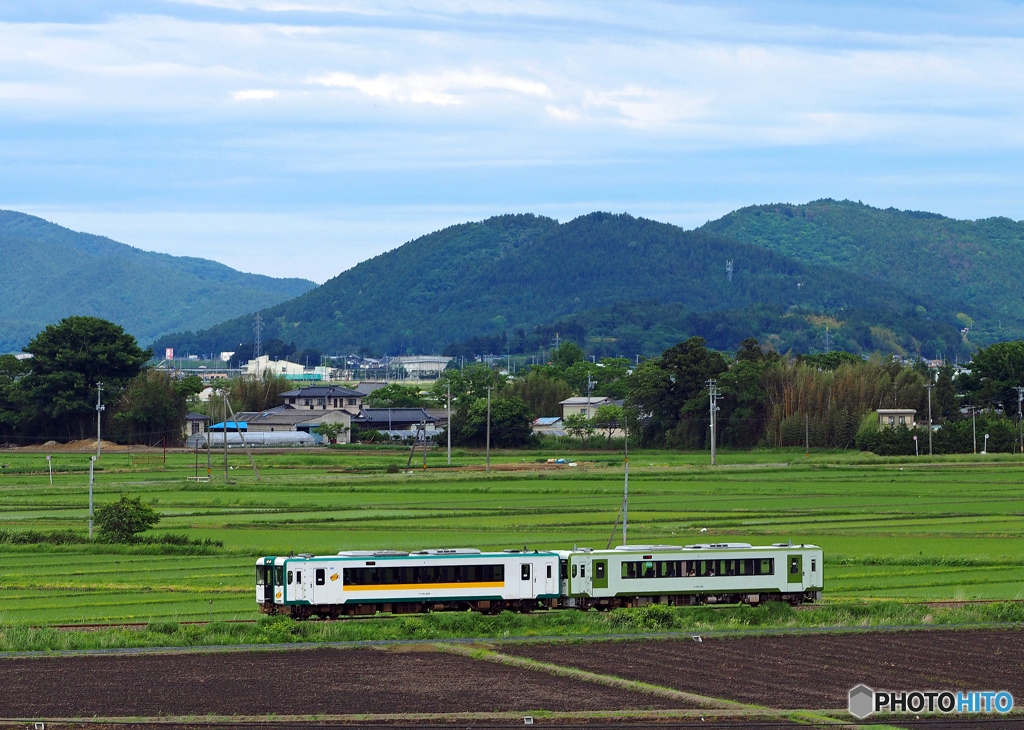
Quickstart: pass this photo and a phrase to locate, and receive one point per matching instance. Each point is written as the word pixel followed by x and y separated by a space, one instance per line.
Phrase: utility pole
pixel 99 412
pixel 92 462
pixel 807 436
pixel 625 493
pixel 225 436
pixel 714 397
pixel 489 430
pixel 974 426
pixel 1020 420
pixel 449 429
pixel 929 387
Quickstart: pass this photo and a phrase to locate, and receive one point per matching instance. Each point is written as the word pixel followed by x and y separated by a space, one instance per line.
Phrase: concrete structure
pixel 896 417
pixel 263 364
pixel 420 366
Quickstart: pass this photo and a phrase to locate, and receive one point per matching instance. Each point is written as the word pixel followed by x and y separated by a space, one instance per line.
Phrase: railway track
pixel 139 626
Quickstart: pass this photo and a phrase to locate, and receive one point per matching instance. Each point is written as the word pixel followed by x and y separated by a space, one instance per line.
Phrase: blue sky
pixel 296 138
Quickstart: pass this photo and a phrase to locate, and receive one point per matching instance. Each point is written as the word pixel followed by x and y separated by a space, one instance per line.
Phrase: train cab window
pixel 261 575
pixel 583 571
pixel 549 570
pixel 599 571
pixel 321 576
pixel 290 577
pixel 298 576
pixel 814 564
pixel 574 570
pixel 525 571
pixel 279 575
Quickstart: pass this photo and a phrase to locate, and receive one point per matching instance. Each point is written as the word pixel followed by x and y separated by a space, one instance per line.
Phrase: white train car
pixel 638 575
pixel 365 582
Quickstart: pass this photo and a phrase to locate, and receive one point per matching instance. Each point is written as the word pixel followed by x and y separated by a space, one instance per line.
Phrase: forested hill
pixel 51 272
pixel 975 267
pixel 514 272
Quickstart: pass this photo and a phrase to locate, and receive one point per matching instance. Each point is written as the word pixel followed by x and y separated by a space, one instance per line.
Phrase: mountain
pixel 973 267
pixel 514 273
pixel 51 272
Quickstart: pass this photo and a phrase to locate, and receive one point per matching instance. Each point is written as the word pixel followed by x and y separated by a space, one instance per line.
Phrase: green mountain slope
pixel 974 267
pixel 51 272
pixel 512 273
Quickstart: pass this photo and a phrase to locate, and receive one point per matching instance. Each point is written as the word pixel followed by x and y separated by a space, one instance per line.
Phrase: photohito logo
pixel 865 701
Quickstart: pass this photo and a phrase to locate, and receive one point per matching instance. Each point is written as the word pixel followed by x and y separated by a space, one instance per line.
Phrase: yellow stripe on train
pixel 415 586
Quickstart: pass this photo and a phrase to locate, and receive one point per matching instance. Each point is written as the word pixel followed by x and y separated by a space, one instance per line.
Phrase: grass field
pixel 901 528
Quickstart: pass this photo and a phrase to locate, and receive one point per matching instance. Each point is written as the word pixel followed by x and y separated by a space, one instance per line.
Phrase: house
pixel 896 417
pixel 394 419
pixel 324 398
pixel 195 424
pixel 583 405
pixel 551 425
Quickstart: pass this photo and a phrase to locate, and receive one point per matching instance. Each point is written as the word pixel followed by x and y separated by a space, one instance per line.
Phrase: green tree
pixel 511 425
pixel 153 407
pixel 254 394
pixel 608 417
pixel 578 426
pixel 945 406
pixel 331 431
pixel 567 355
pixel 68 360
pixel 11 371
pixel 468 383
pixel 395 395
pixel 540 391
pixel 670 395
pixel 1000 368
pixel 121 521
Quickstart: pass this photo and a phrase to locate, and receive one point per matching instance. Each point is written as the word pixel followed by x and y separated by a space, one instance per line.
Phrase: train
pixel 359 583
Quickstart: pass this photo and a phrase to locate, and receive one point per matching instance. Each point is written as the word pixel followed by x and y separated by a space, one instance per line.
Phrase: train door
pixel 527 578
pixel 296 585
pixel 795 574
pixel 549 584
pixel 813 575
pixel 563 576
pixel 584 582
pixel 265 580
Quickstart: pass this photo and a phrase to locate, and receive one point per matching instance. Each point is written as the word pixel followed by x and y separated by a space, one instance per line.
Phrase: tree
pixel 567 355
pixel 471 382
pixel 608 418
pixel 331 431
pixel 69 358
pixel 11 371
pixel 578 426
pixel 511 425
pixel 120 521
pixel 395 395
pixel 540 391
pixel 1000 367
pixel 254 394
pixel 945 406
pixel 153 407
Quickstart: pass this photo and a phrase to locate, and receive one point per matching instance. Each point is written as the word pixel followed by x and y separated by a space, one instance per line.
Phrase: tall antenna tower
pixel 257 348
pixel 728 270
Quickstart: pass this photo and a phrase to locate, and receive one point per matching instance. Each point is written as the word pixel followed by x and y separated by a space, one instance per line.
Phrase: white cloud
pixel 254 95
pixel 443 88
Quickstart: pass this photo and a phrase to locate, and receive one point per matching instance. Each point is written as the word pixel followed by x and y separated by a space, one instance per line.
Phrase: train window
pixel 583 571
pixel 574 570
pixel 290 577
pixel 599 570
pixel 279 575
pixel 526 571
pixel 691 568
pixel 814 564
pixel 298 576
pixel 261 575
pixel 549 571
pixel 320 576
pixel 563 569
pixel 794 566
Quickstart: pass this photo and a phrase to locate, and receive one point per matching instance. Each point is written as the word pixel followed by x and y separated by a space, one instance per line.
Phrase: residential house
pixel 896 417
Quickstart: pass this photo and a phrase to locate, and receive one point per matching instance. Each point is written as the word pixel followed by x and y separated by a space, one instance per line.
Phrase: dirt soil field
pixel 805 670
pixel 322 681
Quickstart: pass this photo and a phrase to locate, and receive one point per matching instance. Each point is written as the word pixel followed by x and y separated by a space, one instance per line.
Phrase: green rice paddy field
pixel 904 528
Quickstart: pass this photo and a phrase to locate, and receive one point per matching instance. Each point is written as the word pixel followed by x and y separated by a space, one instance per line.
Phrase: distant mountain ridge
pixel 973 267
pixel 516 272
pixel 51 272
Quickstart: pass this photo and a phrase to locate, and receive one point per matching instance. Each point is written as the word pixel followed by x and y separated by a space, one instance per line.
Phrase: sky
pixel 299 138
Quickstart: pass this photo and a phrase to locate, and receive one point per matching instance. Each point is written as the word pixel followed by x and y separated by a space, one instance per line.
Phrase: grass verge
pixel 438 626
